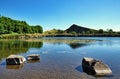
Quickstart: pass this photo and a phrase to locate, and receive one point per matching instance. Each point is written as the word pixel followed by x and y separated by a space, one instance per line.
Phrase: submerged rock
pixel 95 67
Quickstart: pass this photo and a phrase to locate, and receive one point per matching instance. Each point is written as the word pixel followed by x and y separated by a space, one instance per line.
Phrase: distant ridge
pixel 77 29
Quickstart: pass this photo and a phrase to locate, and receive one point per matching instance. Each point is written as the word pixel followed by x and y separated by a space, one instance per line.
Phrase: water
pixel 60 58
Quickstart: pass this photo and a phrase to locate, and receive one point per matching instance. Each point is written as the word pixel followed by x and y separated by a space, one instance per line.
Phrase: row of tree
pixel 93 32
pixel 8 26
pixel 100 31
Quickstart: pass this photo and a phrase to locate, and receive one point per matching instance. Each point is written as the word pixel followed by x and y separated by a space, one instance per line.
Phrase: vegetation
pixel 79 30
pixel 90 32
pixel 54 31
pixel 10 26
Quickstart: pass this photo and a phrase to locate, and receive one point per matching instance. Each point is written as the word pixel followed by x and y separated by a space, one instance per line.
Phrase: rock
pixel 95 67
pixel 33 57
pixel 15 60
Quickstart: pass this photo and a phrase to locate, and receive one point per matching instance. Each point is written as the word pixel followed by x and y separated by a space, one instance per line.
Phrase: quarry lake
pixel 60 57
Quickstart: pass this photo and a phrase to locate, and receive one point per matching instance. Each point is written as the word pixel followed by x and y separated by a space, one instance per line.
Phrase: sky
pixel 61 14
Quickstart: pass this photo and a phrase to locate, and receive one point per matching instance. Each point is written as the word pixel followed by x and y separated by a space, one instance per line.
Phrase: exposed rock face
pixel 77 29
pixel 95 67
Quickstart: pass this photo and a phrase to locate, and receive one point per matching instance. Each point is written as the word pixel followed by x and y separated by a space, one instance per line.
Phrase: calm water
pixel 60 58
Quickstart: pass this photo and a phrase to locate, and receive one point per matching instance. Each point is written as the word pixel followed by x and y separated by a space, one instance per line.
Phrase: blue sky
pixel 60 14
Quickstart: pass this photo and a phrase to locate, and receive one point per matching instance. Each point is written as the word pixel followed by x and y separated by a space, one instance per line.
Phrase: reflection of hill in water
pixel 73 43
pixel 16 47
pixel 8 47
pixel 77 45
pixel 67 40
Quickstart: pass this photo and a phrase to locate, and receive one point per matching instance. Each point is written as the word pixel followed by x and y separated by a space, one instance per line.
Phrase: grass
pixel 17 36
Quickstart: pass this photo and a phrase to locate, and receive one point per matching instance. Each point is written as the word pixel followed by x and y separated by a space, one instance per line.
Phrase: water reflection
pixel 33 61
pixel 66 40
pixel 17 47
pixel 77 45
pixel 72 42
pixel 16 67
pixel 59 60
pixel 79 68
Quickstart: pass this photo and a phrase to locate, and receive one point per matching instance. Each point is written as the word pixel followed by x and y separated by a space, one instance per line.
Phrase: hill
pixel 78 29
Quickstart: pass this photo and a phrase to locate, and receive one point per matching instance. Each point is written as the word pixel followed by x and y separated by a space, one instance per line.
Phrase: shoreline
pixel 33 36
pixel 81 35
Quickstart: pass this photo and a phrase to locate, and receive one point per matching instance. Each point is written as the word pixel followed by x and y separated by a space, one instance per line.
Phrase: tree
pixel 8 25
pixel 100 31
pixel 60 31
pixel 92 31
pixel 110 31
pixel 39 29
pixel 1 29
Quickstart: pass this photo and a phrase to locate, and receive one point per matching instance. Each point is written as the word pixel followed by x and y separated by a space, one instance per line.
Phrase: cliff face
pixel 77 29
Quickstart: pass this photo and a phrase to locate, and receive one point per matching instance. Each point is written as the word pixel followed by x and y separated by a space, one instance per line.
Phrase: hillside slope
pixel 77 29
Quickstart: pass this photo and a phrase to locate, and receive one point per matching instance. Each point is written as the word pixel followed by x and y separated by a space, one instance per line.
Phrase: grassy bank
pixel 20 36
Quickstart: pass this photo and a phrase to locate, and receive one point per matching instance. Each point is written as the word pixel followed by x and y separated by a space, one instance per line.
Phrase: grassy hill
pixel 78 29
